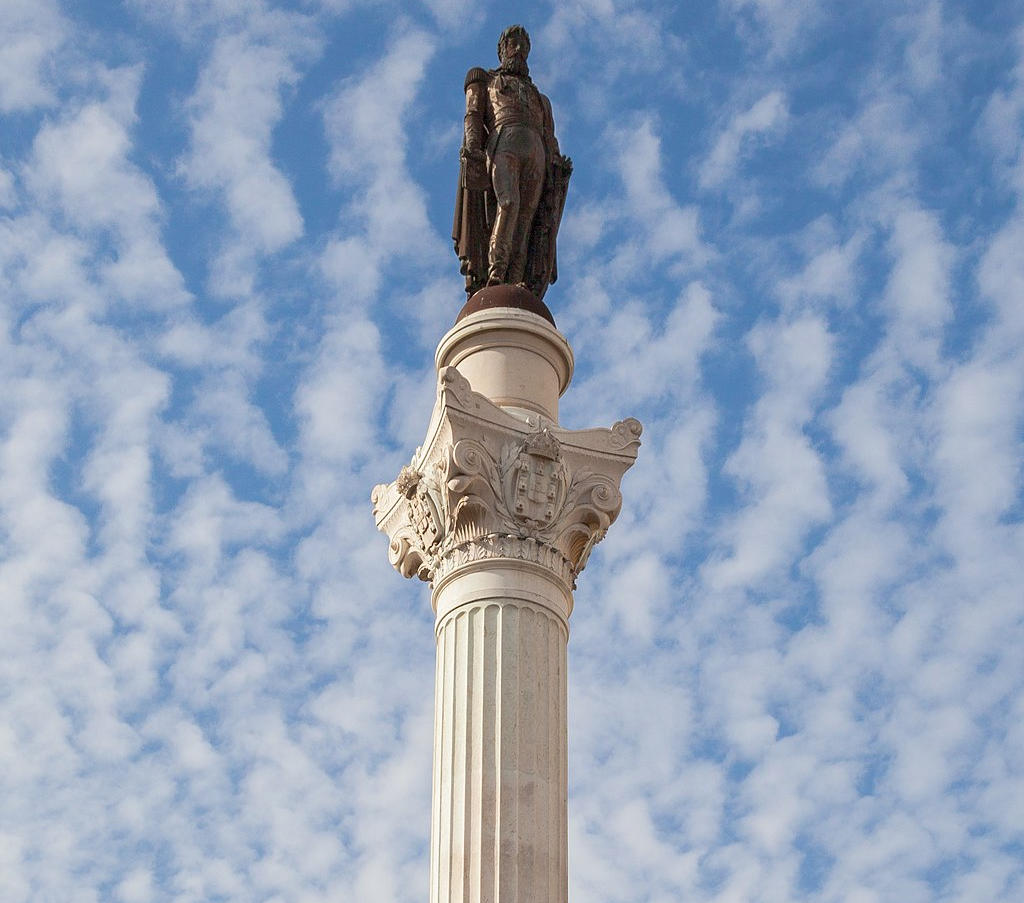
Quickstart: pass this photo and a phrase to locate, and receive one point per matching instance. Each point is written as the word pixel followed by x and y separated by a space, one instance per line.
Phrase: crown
pixel 543 444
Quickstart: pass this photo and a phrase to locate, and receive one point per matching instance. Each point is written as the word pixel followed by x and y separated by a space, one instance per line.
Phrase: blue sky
pixel 792 248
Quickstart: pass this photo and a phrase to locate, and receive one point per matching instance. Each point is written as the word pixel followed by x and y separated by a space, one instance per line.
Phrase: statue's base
pixel 514 296
pixel 512 355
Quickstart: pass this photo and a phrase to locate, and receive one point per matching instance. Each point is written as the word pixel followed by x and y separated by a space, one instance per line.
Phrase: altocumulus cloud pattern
pixel 794 247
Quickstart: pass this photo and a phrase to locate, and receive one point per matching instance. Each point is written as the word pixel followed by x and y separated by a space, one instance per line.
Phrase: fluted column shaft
pixel 499 830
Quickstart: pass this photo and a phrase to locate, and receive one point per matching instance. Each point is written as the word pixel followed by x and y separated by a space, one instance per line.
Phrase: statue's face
pixel 514 49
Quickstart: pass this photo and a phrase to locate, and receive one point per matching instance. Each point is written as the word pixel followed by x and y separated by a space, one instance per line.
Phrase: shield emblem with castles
pixel 537 479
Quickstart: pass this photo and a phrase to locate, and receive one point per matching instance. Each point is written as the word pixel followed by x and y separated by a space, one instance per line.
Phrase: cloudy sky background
pixel 794 248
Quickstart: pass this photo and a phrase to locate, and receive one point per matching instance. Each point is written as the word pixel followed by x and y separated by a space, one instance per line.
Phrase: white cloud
pixel 84 158
pixel 781 475
pixel 211 518
pixel 924 50
pixel 635 356
pixel 340 400
pixel 8 195
pixel 918 287
pixel 1001 277
pixel 867 430
pixel 629 39
pixel 365 125
pixel 783 23
pixel 235 108
pixel 136 887
pixel 669 231
pixel 197 21
pixel 44 535
pixel 232 342
pixel 237 426
pixel 769 114
pixel 34 31
pixel 81 165
pixel 879 138
pixel 1003 116
pixel 830 272
pixel 978 453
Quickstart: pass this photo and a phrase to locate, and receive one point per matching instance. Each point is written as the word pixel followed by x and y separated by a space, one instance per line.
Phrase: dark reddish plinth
pixel 506 296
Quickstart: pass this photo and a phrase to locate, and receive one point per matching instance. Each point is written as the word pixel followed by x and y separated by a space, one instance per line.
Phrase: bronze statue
pixel 512 178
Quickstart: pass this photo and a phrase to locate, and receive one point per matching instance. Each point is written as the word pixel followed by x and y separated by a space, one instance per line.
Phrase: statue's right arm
pixel 475 137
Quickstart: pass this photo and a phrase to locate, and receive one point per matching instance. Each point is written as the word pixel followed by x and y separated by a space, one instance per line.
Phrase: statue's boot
pixel 498 257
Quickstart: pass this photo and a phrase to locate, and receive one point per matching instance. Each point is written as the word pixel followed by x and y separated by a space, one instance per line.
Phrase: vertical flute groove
pixel 489 760
pixel 461 738
pixel 563 742
pixel 435 806
pixel 474 733
pixel 494 842
pixel 446 766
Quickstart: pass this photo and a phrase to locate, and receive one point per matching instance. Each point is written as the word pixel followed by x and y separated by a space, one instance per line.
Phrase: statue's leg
pixel 531 173
pixel 505 176
pixel 531 185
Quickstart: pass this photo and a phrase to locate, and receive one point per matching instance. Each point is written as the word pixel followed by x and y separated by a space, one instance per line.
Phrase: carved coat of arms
pixel 536 480
pixel 423 514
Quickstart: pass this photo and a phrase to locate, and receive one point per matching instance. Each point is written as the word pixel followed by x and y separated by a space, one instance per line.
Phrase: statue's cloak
pixel 475 207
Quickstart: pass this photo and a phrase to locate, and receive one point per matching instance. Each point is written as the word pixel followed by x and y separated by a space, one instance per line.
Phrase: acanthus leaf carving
pixel 502 491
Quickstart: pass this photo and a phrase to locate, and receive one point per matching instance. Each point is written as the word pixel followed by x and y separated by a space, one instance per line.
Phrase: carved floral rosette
pixel 487 485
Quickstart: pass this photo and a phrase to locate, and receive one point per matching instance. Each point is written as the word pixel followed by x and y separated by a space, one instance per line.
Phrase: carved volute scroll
pixel 488 485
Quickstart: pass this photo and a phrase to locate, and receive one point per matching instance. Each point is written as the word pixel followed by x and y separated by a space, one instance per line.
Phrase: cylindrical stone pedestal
pixel 499 830
pixel 515 358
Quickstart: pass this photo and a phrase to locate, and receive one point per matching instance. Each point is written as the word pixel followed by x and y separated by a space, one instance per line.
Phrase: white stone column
pixel 499 819
pixel 499 510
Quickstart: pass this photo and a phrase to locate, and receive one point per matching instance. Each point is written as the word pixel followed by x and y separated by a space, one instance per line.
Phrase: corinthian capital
pixel 487 485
